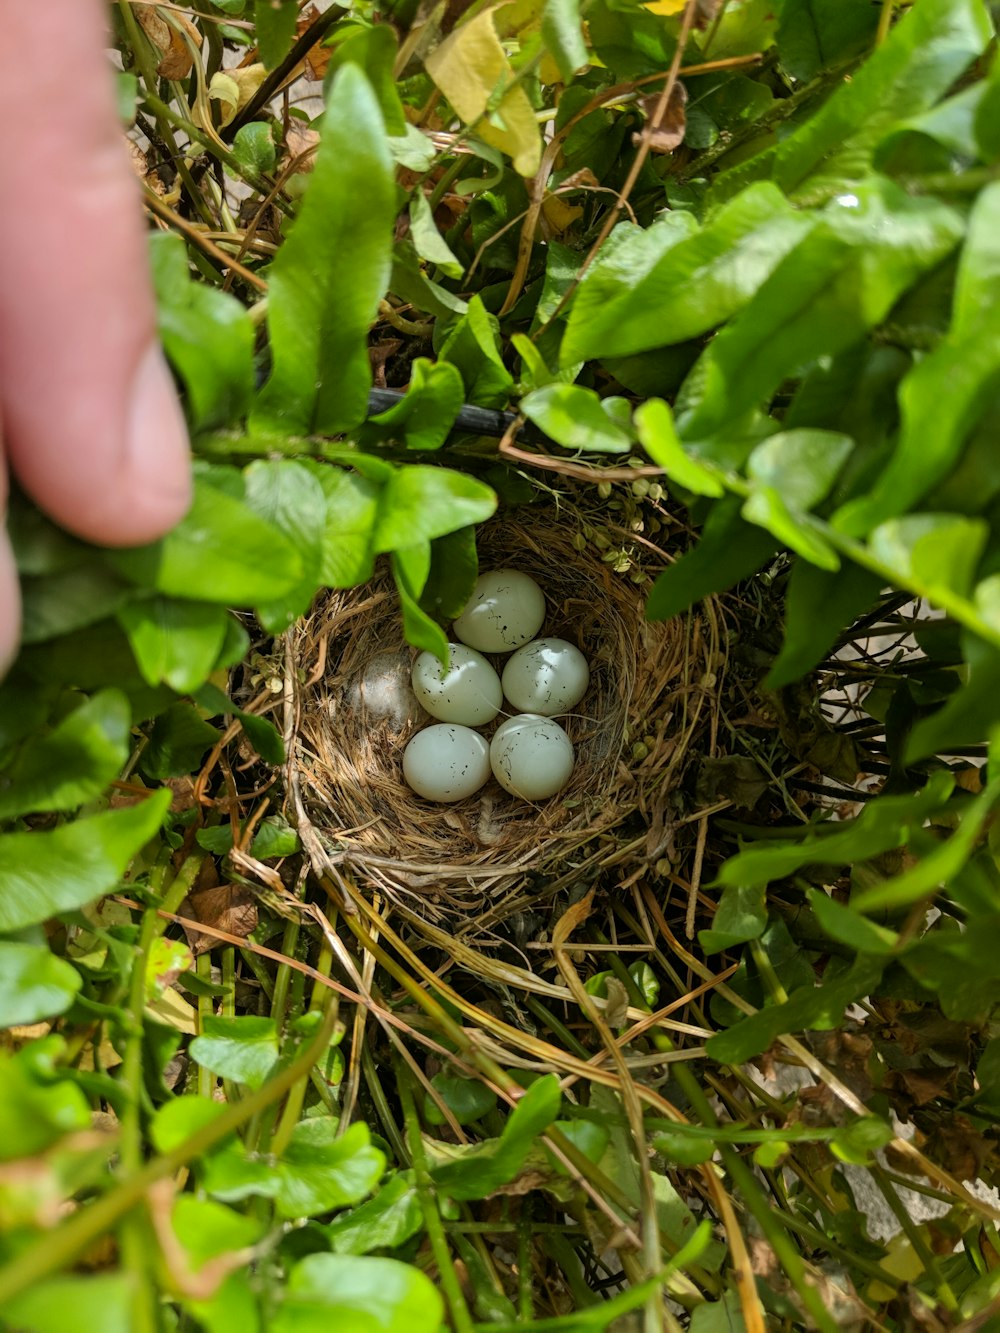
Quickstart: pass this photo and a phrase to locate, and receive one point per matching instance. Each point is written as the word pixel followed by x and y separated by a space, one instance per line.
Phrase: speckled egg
pixel 446 762
pixel 505 610
pixel 546 676
pixel 531 756
pixel 467 691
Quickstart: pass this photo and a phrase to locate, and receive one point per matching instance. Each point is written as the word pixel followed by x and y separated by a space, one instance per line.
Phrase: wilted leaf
pixel 470 67
pixel 668 133
pixel 173 38
pixel 228 907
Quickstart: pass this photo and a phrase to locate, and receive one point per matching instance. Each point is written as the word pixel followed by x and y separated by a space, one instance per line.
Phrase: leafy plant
pixel 738 259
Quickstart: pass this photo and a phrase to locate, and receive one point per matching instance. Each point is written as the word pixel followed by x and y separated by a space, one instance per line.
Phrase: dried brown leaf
pixel 227 907
pixel 668 134
pixel 175 45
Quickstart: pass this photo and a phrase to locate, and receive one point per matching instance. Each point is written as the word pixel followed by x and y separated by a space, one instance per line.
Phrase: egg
pixel 546 676
pixel 467 692
pixel 505 610
pixel 446 762
pixel 531 756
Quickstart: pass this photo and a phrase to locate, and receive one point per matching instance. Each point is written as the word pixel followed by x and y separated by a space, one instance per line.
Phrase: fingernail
pixel 157 449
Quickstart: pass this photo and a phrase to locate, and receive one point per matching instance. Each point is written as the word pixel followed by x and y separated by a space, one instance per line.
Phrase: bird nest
pixel 650 694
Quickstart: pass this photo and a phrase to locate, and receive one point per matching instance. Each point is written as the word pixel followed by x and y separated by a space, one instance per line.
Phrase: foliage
pixel 777 296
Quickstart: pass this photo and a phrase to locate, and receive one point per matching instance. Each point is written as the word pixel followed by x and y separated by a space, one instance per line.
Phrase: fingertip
pixel 128 487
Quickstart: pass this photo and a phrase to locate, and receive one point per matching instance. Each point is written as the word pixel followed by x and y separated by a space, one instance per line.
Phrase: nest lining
pixel 649 684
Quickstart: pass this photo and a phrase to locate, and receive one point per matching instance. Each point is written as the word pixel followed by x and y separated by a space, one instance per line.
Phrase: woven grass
pixel 651 693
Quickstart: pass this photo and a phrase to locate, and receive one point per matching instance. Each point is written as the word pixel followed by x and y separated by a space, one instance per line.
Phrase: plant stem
pixel 461 1320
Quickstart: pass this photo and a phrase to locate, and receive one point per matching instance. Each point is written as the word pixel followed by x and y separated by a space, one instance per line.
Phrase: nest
pixel 650 694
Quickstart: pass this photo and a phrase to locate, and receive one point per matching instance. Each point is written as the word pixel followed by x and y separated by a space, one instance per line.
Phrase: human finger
pixel 94 430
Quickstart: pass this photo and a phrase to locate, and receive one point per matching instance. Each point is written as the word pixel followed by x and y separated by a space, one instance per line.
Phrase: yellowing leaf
pixel 176 40
pixel 468 67
pixel 666 7
pixel 235 87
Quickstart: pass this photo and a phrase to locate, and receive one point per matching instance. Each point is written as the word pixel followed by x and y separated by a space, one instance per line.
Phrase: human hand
pixel 89 417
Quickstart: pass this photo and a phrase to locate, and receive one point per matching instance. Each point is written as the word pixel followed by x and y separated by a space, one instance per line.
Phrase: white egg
pixel 546 676
pixel 505 610
pixel 531 756
pixel 446 762
pixel 467 692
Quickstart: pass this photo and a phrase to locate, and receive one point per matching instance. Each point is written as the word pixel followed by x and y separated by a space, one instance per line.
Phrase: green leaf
pixel 358 1295
pixel 383 1223
pixel 254 147
pixel 861 1139
pixel 72 599
pixel 767 509
pixel 44 872
pixel 473 347
pixel 374 50
pixel 178 739
pixel 320 306
pixel 741 915
pixel 274 25
pixel 220 552
pixel 104 1301
pixel 576 418
pixel 882 825
pixel 801 464
pixel 292 498
pixel 36 1106
pixel 937 553
pixel 430 245
pixel 937 869
pixel 34 984
pixel 466 1098
pixel 918 62
pixel 723 1316
pixel 495 1162
pixel 960 969
pixel 655 423
pixel 207 1230
pixel 819 604
pixel 866 249
pixel 971 712
pixel 933 139
pixel 424 417
pixel 563 38
pixel 261 733
pixel 243 1049
pixel 175 643
pixel 645 296
pixel 844 924
pixel 410 570
pixel 73 763
pixel 947 392
pixel 206 333
pixel 453 572
pixel 320 1170
pixel 727 551
pixel 352 504
pixel 809 1007
pixel 815 35
pixel 420 503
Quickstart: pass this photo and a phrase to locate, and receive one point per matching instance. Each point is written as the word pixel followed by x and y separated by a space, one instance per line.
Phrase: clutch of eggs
pixel 530 755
